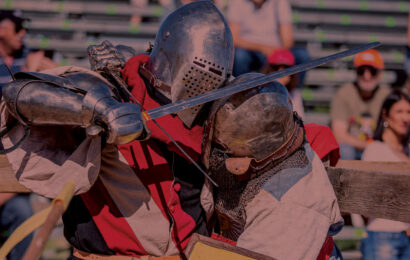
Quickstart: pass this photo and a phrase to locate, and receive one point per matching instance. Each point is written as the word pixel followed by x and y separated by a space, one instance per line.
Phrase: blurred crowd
pixel 370 120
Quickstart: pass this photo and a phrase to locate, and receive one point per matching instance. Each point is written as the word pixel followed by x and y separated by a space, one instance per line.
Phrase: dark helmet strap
pixel 153 80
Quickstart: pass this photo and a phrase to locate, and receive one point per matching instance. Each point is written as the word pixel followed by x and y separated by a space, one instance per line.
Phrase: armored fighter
pixel 274 196
pixel 136 193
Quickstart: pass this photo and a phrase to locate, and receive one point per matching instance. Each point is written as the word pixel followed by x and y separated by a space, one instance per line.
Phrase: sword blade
pixel 259 81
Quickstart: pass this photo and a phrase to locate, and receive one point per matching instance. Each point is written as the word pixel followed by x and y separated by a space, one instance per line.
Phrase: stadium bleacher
pixel 66 28
pixel 328 26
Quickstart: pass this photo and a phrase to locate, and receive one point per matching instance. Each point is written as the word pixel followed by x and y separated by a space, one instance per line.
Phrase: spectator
pixel 221 4
pixel 12 51
pixel 14 210
pixel 137 18
pixel 407 62
pixel 171 5
pixel 282 59
pixel 167 6
pixel 179 3
pixel 259 27
pixel 388 239
pixel 355 106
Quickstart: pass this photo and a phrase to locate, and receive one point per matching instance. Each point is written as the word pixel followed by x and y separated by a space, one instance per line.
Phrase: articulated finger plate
pixel 122 121
pixel 105 57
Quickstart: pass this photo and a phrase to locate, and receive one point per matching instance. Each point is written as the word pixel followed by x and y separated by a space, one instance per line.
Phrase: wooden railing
pixel 374 189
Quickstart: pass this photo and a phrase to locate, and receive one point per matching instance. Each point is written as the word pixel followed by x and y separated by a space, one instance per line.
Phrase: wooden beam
pixel 8 181
pixel 375 166
pixel 380 193
pixel 375 189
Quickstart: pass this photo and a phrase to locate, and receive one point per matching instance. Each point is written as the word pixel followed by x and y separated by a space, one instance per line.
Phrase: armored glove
pixel 121 121
pixel 54 102
pixel 105 57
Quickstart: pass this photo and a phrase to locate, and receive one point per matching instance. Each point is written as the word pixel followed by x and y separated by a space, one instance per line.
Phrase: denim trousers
pixel 13 213
pixel 348 152
pixel 246 61
pixel 385 246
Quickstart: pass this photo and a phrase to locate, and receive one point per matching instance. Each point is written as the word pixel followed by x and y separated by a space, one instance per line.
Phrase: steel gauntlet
pixel 122 121
pixel 36 102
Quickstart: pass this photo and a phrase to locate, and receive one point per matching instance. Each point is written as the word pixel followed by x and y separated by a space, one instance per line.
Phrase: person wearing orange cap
pixel 282 59
pixel 354 108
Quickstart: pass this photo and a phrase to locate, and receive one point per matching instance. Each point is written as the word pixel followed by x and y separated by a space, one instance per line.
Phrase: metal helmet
pixel 192 54
pixel 255 123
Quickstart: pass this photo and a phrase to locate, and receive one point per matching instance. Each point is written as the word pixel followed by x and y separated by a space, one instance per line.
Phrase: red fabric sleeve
pixel 132 77
pixel 189 139
pixel 323 142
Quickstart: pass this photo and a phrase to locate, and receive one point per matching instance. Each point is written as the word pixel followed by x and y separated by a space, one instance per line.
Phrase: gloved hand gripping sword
pixel 230 89
pixel 75 98
pixel 106 59
pixel 87 101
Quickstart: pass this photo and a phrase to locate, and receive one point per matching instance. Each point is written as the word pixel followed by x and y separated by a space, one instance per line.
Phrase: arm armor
pixel 36 101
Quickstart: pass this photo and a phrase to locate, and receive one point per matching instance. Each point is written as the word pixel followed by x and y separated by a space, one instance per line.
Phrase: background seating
pixel 65 28
pixel 328 26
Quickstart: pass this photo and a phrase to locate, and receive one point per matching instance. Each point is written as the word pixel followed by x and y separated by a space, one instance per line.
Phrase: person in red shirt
pixel 136 193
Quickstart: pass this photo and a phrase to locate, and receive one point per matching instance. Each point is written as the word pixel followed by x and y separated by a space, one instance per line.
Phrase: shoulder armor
pixel 56 80
pixel 79 82
pixel 86 81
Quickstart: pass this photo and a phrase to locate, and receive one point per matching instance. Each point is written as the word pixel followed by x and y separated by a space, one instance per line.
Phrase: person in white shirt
pixel 260 27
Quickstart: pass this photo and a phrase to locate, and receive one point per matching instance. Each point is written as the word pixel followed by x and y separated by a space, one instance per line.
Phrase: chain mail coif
pixel 233 195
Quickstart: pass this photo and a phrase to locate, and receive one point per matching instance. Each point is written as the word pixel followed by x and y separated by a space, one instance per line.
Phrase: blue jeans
pixel 301 56
pixel 13 213
pixel 385 246
pixel 246 61
pixel 348 152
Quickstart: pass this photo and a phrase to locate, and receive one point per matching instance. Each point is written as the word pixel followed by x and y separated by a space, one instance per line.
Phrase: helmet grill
pixel 202 76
